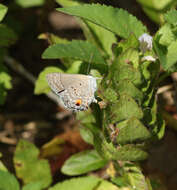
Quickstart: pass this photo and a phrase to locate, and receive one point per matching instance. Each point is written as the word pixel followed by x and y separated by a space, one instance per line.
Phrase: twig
pixel 14 65
pixel 7 140
pixel 164 89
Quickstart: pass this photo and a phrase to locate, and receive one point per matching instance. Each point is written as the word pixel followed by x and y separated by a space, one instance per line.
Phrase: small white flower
pixel 145 42
pixel 148 58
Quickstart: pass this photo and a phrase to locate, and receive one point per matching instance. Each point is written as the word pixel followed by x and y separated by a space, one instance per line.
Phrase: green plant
pixel 122 130
pixel 7 38
pixel 155 10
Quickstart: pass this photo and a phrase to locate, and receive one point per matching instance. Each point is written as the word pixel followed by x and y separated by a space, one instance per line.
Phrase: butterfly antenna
pixel 88 68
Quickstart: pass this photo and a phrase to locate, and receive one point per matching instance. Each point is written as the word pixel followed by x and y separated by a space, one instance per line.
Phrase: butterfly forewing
pixel 54 82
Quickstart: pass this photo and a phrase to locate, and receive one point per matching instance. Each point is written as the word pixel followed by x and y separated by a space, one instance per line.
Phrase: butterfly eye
pixel 78 102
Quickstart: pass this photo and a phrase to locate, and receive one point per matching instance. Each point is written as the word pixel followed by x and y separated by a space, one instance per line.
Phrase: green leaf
pixel 84 183
pixel 159 128
pixel 29 167
pixel 75 67
pixel 79 50
pixel 130 43
pixel 171 17
pixel 131 153
pixel 124 108
pixel 54 39
pixel 102 38
pixel 7 36
pixel 155 3
pixel 135 177
pixel 41 85
pixel 86 134
pixel 89 119
pixel 166 35
pixel 115 20
pixel 99 36
pixel 171 55
pixel 33 186
pixel 154 15
pixel 125 71
pixel 86 117
pixel 130 56
pixel 68 3
pixel 132 130
pixel 161 51
pixel 165 43
pixel 166 55
pixel 110 152
pixel 2 167
pixel 150 72
pixel 110 95
pixel 105 185
pixel 8 181
pixel 120 182
pixel 100 143
pixel 83 162
pixel 127 87
pixel 3 11
pixel 30 3
pixel 5 79
pixel 150 115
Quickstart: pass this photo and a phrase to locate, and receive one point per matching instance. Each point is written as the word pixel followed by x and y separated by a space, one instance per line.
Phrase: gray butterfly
pixel 75 90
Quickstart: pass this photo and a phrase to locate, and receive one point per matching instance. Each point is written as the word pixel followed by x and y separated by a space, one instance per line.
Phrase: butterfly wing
pixel 54 81
pixel 76 84
pixel 73 88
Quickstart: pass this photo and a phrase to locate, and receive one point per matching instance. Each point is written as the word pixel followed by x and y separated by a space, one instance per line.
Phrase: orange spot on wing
pixel 78 102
